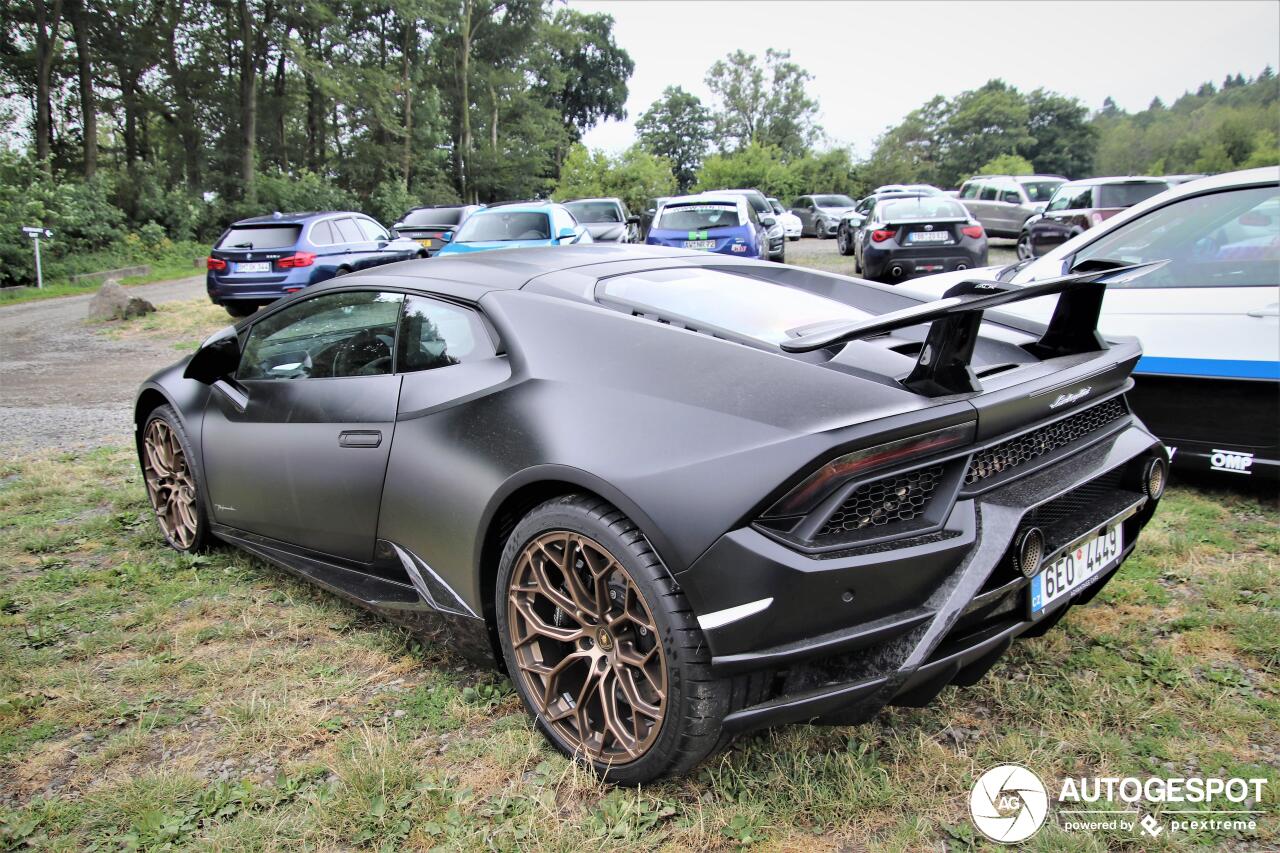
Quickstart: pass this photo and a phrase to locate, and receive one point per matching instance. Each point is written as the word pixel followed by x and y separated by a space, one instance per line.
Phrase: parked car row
pixel 1208 382
pixel 261 259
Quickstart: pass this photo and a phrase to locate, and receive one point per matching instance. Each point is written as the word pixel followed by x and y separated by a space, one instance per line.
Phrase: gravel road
pixel 66 386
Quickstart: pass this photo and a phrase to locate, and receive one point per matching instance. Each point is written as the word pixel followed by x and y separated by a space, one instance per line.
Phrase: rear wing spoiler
pixel 943 366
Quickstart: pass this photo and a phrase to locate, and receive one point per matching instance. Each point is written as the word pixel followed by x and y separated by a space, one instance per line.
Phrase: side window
pixel 437 334
pixel 1082 200
pixel 1009 194
pixel 346 231
pixel 969 190
pixel 1224 239
pixel 372 231
pixel 336 334
pixel 322 234
pixel 1061 198
pixel 988 192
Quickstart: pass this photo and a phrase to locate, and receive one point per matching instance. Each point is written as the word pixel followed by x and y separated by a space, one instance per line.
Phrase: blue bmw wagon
pixel 258 260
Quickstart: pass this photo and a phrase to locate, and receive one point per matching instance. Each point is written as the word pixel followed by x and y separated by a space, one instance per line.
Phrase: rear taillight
pixel 297 259
pixel 879 236
pixel 841 470
pixel 974 231
pixel 212 263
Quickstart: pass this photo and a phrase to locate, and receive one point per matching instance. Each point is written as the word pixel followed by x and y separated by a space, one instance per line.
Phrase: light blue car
pixel 517 225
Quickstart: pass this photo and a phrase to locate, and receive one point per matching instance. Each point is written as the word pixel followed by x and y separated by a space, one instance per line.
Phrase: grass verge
pixel 152 700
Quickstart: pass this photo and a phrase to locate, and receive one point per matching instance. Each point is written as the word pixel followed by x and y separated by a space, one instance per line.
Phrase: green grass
pixel 153 700
pixel 177 261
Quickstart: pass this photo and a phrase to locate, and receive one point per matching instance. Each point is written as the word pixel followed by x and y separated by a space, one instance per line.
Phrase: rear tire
pixel 603 647
pixel 240 309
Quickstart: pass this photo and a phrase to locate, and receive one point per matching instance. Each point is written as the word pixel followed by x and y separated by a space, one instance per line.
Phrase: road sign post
pixel 35 232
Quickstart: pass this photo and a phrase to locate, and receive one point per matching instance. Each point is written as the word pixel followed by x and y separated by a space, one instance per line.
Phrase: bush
pixel 1008 164
pixel 391 199
pixel 635 176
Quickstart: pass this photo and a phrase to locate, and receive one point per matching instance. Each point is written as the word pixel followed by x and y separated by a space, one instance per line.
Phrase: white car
pixel 791 225
pixel 1208 383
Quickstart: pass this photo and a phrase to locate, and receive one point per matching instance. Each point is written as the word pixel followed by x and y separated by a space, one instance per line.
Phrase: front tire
pixel 171 482
pixel 602 645
pixel 843 243
pixel 1024 246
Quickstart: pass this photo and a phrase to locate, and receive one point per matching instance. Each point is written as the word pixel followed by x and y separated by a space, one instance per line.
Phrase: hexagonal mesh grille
pixel 874 505
pixel 1024 448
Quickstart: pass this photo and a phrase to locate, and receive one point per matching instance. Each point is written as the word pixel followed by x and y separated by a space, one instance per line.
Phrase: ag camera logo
pixel 1009 803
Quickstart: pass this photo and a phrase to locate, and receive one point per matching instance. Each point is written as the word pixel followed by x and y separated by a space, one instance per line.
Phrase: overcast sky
pixel 873 62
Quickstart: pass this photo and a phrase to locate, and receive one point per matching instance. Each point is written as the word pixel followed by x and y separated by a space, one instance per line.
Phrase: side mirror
pixel 768 221
pixel 633 220
pixel 446 237
pixel 651 211
pixel 217 358
pixel 567 234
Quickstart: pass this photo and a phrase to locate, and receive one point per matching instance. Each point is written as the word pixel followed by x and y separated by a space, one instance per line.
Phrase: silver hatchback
pixel 1002 203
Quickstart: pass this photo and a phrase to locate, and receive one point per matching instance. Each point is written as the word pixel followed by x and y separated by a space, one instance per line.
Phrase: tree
pixel 982 124
pixel 48 18
pixel 760 166
pixel 1063 140
pixel 635 176
pixel 592 85
pixel 678 127
pixel 1008 164
pixel 763 104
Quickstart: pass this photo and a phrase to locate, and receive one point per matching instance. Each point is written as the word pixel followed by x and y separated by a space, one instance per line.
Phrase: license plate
pixel 928 237
pixel 256 266
pixel 699 244
pixel 426 243
pixel 1076 568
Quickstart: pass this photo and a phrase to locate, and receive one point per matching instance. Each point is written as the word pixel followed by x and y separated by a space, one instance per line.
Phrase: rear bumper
pixel 264 288
pixel 902 263
pixel 847 633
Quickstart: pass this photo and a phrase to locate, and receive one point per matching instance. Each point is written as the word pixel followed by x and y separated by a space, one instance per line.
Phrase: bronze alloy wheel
pixel 169 483
pixel 586 646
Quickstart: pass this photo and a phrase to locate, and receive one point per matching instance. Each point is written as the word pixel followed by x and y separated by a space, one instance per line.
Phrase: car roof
pixel 607 198
pixel 469 276
pixel 442 206
pixel 1116 179
pixel 517 207
pixel 1019 178
pixel 295 218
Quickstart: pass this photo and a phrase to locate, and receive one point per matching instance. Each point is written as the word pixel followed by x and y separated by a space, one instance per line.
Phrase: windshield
pixel 1040 191
pixel 1127 195
pixel 775 204
pixel 260 237
pixel 497 226
pixel 698 217
pixel 1223 239
pixel 594 211
pixel 833 201
pixel 711 299
pixel 434 216
pixel 922 207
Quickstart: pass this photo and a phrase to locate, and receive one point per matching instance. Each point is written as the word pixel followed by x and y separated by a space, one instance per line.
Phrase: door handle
pixel 360 438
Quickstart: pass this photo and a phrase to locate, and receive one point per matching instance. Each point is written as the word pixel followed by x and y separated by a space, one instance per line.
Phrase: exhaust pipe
pixel 895 271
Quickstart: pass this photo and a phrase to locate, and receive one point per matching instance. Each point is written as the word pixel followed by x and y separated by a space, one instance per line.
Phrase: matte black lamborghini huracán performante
pixel 677 495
